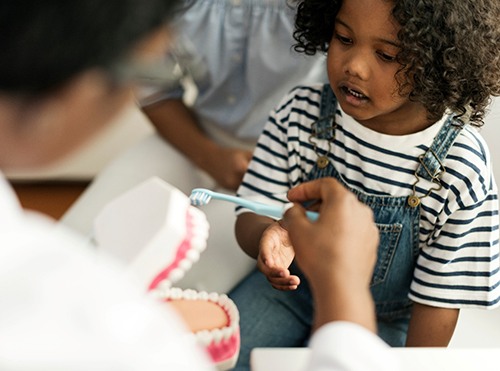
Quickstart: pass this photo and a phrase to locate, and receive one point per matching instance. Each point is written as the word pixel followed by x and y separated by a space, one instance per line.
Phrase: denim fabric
pixel 269 317
pixel 398 225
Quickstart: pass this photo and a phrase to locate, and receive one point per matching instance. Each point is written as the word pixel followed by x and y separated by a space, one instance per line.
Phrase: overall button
pixel 322 162
pixel 413 201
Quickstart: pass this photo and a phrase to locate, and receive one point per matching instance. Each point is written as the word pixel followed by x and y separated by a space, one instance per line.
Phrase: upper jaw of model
pixel 158 235
pixel 154 231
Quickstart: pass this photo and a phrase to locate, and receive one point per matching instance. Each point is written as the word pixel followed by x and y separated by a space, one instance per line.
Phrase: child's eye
pixel 386 57
pixel 343 39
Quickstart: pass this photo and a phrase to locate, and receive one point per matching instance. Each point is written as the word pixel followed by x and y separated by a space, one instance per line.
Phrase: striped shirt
pixel 458 263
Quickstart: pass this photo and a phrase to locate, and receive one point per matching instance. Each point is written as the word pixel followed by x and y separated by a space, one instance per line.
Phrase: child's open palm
pixel 276 253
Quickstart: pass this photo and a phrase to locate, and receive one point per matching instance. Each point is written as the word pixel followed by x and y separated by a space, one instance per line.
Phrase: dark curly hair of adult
pixel 450 50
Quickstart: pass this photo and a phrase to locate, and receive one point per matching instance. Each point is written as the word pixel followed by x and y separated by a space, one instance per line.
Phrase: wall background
pixel 491 131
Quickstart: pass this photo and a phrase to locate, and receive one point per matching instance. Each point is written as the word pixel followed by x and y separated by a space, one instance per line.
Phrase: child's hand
pixel 276 253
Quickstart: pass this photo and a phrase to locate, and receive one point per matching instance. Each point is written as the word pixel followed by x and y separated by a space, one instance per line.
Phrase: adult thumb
pixel 295 219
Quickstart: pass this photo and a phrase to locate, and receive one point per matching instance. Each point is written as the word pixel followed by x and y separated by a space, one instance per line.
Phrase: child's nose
pixel 357 64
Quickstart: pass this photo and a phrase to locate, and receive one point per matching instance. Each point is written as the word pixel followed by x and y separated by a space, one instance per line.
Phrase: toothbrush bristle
pixel 198 198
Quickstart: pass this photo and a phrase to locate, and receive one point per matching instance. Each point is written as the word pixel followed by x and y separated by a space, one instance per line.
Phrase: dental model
pixel 212 318
pixel 155 231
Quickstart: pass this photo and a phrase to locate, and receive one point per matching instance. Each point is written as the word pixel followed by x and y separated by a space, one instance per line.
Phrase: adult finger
pixel 319 189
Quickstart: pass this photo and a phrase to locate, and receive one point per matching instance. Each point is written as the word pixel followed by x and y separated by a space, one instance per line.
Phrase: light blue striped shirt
pixel 241 51
pixel 458 264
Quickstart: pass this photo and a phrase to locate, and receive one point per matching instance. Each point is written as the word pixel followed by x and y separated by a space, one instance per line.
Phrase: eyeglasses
pixel 165 73
pixel 159 74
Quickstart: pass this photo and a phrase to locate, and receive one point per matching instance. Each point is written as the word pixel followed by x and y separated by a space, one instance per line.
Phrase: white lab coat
pixel 345 346
pixel 64 307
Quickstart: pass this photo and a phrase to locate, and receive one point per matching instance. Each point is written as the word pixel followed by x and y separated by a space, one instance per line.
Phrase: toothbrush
pixel 202 196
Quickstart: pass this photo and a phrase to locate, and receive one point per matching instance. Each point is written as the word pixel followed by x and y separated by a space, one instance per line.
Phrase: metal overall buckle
pixel 413 199
pixel 328 133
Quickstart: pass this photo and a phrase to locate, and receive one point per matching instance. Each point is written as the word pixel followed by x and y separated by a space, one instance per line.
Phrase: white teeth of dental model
pixel 200 229
pixel 185 265
pixel 205 337
pixel 213 296
pixel 193 255
pixel 176 274
pixel 188 248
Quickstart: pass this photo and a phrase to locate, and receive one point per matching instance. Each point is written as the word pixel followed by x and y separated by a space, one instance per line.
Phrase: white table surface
pixel 411 359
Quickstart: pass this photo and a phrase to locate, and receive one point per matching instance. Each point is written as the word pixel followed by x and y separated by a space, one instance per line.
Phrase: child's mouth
pixel 354 93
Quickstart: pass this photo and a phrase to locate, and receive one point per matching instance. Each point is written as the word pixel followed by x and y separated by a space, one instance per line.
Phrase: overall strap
pixel 431 162
pixel 324 127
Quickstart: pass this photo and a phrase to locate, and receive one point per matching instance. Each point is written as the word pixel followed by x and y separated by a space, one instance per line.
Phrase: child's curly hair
pixel 450 50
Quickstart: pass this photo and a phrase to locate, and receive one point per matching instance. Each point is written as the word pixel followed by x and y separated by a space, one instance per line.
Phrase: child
pixel 409 80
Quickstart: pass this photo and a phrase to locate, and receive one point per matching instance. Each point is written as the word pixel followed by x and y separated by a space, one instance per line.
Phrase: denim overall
pixel 397 219
pixel 274 318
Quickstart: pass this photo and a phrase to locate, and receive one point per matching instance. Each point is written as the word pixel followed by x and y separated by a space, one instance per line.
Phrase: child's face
pixel 362 69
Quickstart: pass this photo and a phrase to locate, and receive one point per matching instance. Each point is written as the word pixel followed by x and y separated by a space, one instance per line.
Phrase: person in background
pixel 237 58
pixel 397 124
pixel 66 307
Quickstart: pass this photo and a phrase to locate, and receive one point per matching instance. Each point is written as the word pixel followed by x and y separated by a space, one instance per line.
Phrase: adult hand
pixel 275 256
pixel 344 233
pixel 227 165
pixel 337 253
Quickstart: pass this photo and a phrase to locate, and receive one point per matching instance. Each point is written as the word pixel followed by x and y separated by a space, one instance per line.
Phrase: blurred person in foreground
pixel 67 69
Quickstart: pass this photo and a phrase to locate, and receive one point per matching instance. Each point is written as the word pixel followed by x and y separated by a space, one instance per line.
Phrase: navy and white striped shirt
pixel 458 264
